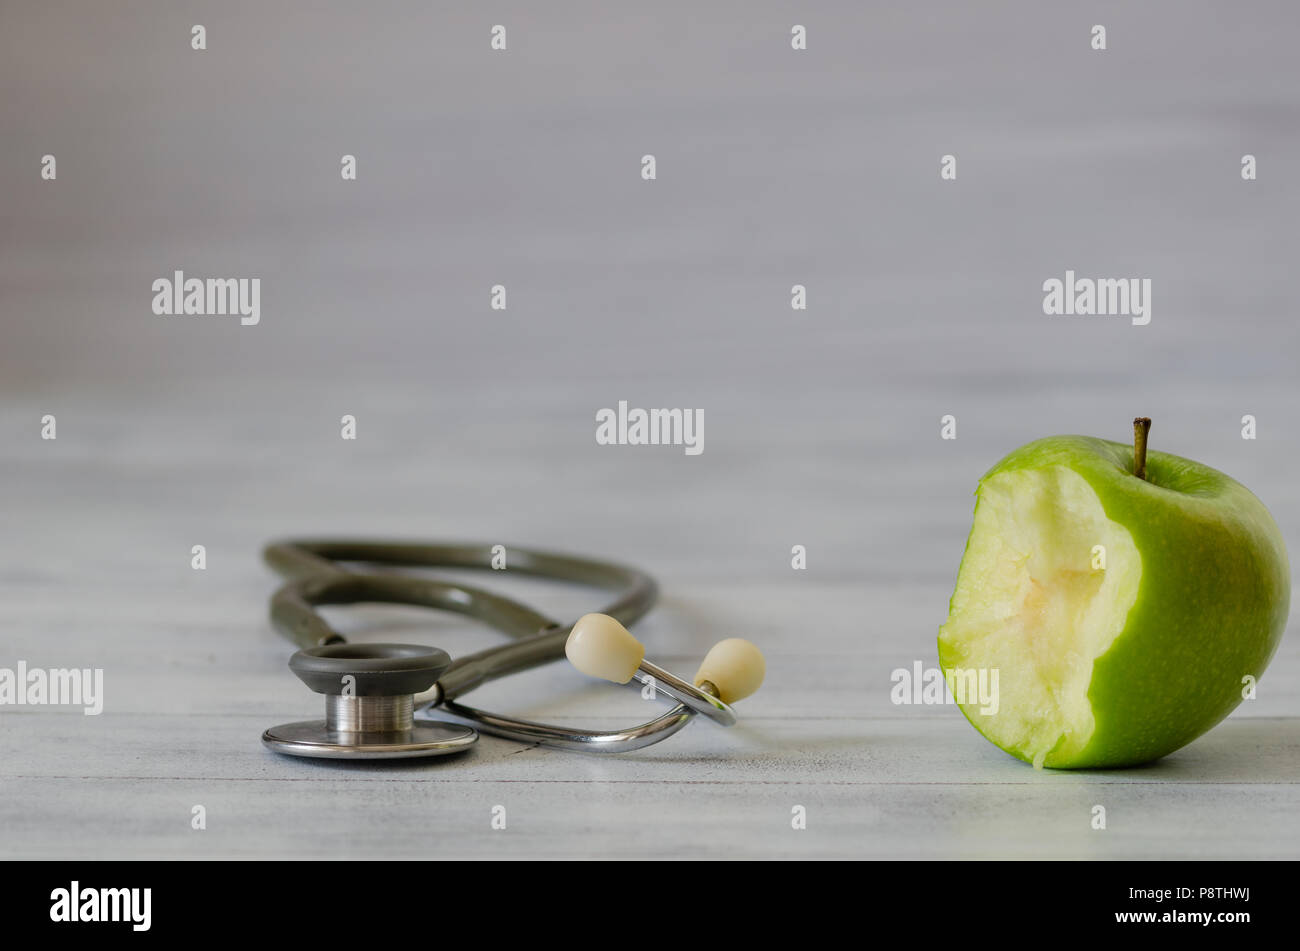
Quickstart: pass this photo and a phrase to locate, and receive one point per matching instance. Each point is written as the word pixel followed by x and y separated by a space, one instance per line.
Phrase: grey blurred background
pixel 775 167
pixel 522 168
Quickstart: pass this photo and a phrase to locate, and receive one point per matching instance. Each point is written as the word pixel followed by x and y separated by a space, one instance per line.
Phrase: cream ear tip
pixel 735 667
pixel 600 646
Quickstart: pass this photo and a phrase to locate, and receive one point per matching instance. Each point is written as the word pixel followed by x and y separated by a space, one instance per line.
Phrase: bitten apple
pixel 1123 596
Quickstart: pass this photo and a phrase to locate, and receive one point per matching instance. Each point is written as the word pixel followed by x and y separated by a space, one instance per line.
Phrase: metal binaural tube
pixel 567 738
pixel 703 699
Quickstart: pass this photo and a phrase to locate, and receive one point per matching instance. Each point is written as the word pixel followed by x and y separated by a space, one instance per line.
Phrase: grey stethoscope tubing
pixel 375 726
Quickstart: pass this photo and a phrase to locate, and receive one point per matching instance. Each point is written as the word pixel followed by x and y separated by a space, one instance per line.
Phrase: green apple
pixel 1124 598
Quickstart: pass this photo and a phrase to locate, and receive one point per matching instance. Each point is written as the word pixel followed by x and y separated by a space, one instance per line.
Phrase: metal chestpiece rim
pixel 369 704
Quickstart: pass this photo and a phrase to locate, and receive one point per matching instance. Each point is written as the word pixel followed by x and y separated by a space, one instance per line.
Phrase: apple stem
pixel 1141 426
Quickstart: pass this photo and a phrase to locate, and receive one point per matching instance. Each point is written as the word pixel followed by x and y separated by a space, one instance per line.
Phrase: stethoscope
pixel 373 691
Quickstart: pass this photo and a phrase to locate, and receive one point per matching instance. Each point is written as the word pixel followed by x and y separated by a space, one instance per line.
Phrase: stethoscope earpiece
pixel 599 646
pixel 369 704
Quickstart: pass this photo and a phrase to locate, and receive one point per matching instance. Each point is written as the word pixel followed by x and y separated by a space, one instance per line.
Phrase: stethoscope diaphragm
pixel 369 704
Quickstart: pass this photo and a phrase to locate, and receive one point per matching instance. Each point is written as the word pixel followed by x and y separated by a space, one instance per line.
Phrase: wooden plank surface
pixel 822 426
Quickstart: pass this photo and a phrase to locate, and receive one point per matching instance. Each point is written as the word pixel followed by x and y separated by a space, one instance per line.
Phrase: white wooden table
pixel 822 426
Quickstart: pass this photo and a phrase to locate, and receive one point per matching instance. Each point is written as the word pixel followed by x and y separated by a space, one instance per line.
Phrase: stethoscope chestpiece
pixel 369 704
